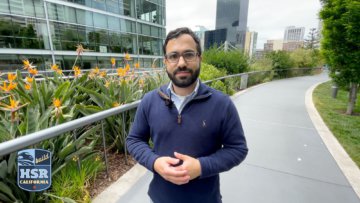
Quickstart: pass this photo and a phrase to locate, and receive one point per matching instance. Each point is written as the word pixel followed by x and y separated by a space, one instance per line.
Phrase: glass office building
pixel 232 16
pixel 47 32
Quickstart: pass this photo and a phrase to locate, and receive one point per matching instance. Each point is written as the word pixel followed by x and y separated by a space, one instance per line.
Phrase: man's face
pixel 182 61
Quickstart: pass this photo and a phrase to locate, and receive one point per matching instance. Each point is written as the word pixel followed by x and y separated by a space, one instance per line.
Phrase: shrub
pixel 209 72
pixel 232 61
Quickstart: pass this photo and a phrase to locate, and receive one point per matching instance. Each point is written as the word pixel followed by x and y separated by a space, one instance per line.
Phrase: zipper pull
pixel 179 119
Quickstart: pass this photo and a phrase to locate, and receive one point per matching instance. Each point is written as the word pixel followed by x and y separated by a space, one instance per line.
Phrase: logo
pixel 204 123
pixel 34 169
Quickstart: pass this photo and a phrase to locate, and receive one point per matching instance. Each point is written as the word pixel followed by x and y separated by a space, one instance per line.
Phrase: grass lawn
pixel 344 127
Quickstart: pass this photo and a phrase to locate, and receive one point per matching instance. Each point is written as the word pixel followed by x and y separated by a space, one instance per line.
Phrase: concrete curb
pixel 119 188
pixel 346 164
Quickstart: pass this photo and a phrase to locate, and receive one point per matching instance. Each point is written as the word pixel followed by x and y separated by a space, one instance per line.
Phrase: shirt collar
pixel 171 90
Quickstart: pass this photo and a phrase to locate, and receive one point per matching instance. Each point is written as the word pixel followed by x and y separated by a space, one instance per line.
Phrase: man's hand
pixel 190 164
pixel 164 167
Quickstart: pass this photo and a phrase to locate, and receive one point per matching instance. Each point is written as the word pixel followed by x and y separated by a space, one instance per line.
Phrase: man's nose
pixel 181 62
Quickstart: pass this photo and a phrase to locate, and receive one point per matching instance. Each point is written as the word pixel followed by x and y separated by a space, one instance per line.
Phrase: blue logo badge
pixel 34 169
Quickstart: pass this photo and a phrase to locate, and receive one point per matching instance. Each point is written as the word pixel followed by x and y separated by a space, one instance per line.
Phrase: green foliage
pixel 344 127
pixel 306 58
pixel 25 110
pixel 261 64
pixel 209 72
pixel 219 85
pixel 280 60
pixel 9 190
pixel 232 61
pixel 341 39
pixel 71 183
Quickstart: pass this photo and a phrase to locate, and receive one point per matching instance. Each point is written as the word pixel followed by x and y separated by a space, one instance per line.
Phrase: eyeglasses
pixel 188 56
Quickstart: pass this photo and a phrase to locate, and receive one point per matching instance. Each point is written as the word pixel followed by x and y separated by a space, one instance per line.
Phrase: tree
pixel 341 44
pixel 280 60
pixel 312 40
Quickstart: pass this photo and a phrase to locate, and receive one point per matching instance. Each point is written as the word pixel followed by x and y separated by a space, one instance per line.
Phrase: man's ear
pixel 164 61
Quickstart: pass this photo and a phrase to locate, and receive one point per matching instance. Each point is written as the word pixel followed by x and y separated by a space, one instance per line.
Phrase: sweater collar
pixel 203 91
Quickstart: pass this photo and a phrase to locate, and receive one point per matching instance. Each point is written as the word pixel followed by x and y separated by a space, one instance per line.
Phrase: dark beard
pixel 184 81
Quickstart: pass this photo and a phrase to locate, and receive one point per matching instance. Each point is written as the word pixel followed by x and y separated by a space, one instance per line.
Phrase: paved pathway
pixel 287 162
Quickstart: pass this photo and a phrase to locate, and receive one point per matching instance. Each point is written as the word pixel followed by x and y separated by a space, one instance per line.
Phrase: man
pixel 195 130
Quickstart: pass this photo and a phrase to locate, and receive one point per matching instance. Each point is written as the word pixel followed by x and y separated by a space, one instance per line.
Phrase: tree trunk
pixel 352 98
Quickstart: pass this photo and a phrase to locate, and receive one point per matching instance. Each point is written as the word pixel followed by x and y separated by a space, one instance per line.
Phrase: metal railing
pixel 52 132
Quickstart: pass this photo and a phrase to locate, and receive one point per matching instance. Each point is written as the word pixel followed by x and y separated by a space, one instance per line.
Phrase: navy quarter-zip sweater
pixel 209 129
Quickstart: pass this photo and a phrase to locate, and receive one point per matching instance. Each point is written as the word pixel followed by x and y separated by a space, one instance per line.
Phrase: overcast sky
pixel 267 17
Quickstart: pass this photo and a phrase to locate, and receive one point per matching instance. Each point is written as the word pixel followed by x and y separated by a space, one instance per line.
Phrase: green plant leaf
pixel 5 134
pixel 99 99
pixel 87 110
pixel 62 90
pixel 91 131
pixel 44 119
pixel 69 148
pixel 56 170
pixel 4 198
pixel 7 191
pixel 12 163
pixel 32 118
pixel 3 169
pixel 82 151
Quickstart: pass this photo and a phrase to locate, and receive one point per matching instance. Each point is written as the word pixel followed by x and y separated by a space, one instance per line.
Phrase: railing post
pixel 124 137
pixel 104 146
pixel 244 81
pixel 77 159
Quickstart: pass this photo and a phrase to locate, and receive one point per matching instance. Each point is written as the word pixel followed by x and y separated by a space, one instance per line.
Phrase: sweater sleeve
pixel 137 141
pixel 234 148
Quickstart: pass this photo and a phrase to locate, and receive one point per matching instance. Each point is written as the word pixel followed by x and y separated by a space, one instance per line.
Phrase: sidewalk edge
pixel 121 186
pixel 346 164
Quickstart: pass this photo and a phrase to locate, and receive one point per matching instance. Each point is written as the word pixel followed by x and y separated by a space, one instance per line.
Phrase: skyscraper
pixel 232 15
pixel 250 43
pixel 293 38
pixel 293 33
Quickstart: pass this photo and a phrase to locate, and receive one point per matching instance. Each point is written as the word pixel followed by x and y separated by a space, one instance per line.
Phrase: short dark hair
pixel 180 31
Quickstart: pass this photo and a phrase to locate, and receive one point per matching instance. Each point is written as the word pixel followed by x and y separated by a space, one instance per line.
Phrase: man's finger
pixel 180 156
pixel 172 161
pixel 175 172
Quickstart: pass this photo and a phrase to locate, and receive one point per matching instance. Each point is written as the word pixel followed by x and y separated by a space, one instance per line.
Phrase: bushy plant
pixel 280 60
pixel 72 182
pixel 306 58
pixel 209 72
pixel 233 61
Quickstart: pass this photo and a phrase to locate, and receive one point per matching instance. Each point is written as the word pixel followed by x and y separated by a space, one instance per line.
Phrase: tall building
pixel 293 33
pixel 232 16
pixel 201 35
pixel 47 31
pixel 273 45
pixel 250 43
pixel 214 38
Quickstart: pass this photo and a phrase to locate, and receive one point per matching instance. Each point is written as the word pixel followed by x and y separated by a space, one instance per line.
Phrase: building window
pixel 39 8
pixel 113 23
pixel 99 4
pixel 100 20
pixel 113 6
pixel 125 7
pixel 84 17
pixel 4 6
pixel 145 29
